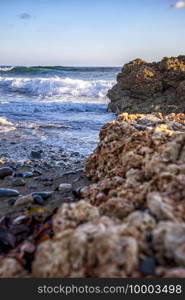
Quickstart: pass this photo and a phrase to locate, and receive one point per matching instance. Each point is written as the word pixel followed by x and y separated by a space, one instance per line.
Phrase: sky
pixel 90 32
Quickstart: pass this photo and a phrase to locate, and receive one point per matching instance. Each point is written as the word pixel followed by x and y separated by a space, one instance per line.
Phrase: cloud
pixel 178 4
pixel 25 16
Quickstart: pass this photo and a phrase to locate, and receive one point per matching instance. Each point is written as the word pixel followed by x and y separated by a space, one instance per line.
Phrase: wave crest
pixel 57 86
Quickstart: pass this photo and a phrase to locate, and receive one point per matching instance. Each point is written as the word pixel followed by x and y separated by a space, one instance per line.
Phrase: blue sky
pixel 89 32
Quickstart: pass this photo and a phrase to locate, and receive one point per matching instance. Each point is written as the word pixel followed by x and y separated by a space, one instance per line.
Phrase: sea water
pixel 67 105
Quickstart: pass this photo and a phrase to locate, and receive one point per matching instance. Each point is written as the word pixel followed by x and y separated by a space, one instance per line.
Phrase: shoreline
pixel 118 212
pixel 54 167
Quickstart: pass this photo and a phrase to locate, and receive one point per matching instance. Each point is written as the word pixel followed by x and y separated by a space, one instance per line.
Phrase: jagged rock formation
pixel 150 87
pixel 131 222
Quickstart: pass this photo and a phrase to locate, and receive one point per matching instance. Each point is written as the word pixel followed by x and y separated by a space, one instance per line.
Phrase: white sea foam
pixel 57 86
pixel 4 122
pixel 6 69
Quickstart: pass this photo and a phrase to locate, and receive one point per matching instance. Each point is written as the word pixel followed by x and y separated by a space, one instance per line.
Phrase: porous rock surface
pixel 144 87
pixel 135 210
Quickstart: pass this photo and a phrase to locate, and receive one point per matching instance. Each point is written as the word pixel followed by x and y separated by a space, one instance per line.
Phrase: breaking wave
pixel 56 86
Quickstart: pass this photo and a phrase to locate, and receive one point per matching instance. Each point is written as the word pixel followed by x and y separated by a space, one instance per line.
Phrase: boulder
pixel 144 87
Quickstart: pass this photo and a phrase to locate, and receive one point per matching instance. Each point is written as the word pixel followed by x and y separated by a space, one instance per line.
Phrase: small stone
pixel 65 187
pixel 19 220
pixel 76 192
pixel 44 195
pixel 38 200
pixel 18 174
pixel 48 183
pixel 35 154
pixel 5 171
pixel 11 201
pixel 27 174
pixel 147 266
pixel 8 192
pixel 18 182
pixel 37 173
pixel 24 200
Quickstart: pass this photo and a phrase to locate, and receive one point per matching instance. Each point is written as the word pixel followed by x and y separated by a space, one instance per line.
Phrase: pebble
pixel 24 200
pixel 44 195
pixel 11 201
pixel 37 172
pixel 65 187
pixel 18 182
pixel 38 200
pixel 27 174
pixel 35 154
pixel 8 192
pixel 77 192
pixel 5 171
pixel 18 174
pixel 19 220
pixel 147 266
pixel 69 173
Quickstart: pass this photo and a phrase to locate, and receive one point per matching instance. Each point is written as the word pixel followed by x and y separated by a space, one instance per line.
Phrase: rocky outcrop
pixel 150 87
pixel 131 221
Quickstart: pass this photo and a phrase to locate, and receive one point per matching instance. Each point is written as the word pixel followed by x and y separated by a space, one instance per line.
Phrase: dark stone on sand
pixel 44 195
pixel 18 182
pixel 74 154
pixel 147 266
pixel 69 173
pixel 7 240
pixel 27 174
pixel 5 171
pixel 8 192
pixel 18 174
pixel 37 173
pixel 11 201
pixel 48 183
pixel 38 200
pixel 36 154
pixel 76 192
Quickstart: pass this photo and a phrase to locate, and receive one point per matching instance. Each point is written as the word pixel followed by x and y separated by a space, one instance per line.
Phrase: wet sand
pixel 54 167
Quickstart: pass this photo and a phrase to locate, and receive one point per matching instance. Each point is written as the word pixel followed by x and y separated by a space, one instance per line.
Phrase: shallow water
pixel 63 106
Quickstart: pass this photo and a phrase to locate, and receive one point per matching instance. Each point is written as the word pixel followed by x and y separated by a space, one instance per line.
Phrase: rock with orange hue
pixel 144 87
pixel 139 164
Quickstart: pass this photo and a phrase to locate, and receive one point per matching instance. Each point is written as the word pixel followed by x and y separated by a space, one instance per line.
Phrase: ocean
pixel 65 105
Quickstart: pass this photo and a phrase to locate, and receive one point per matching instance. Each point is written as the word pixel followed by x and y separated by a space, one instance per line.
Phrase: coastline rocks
pixel 5 171
pixel 131 220
pixel 144 87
